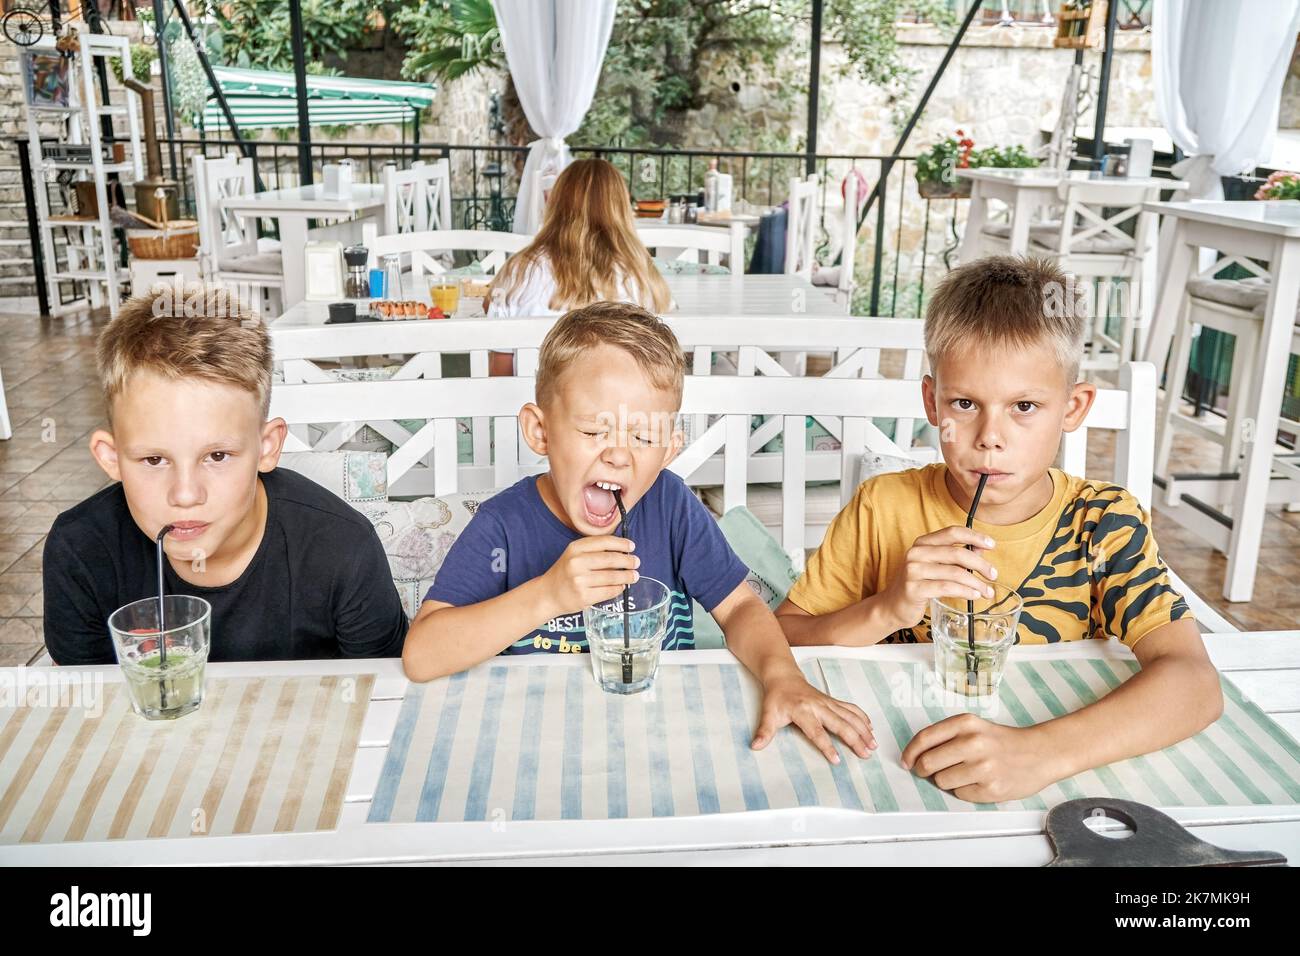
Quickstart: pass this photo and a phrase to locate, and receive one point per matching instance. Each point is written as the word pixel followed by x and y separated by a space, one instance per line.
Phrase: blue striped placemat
pixel 504 743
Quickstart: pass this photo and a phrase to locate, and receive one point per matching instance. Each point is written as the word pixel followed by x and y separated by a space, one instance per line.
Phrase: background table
pixel 293 207
pixel 1025 191
pixel 1265 666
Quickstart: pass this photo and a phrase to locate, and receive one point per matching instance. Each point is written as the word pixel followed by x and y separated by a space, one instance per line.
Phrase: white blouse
pixel 533 296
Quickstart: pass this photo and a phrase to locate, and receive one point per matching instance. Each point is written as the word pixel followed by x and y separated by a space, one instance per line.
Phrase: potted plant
pixel 1280 185
pixel 936 176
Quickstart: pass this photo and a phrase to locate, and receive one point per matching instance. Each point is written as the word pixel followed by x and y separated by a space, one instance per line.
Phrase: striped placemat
pixel 504 743
pixel 261 755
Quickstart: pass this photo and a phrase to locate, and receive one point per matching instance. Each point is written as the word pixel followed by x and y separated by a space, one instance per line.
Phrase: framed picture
pixel 46 79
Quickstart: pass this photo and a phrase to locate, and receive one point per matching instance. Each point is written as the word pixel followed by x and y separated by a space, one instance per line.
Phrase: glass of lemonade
pixel 974 670
pixel 445 293
pixel 647 622
pixel 163 690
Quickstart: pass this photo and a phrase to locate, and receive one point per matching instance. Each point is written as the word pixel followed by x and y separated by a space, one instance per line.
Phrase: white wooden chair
pixel 417 199
pixel 419 250
pixel 230 252
pixel 1232 307
pixel 858 345
pixel 801 227
pixel 722 454
pixel 707 244
pixel 1088 241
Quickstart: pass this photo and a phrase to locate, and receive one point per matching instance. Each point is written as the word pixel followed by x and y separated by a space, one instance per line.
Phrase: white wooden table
pixel 1267 231
pixel 707 295
pixel 1025 191
pixel 1265 666
pixel 293 207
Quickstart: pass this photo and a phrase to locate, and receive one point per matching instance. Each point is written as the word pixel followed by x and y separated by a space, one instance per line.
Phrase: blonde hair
pixel 589 239
pixel 186 332
pixel 1010 301
pixel 639 333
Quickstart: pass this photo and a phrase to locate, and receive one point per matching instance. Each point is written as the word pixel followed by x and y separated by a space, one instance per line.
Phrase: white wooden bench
pixel 426 461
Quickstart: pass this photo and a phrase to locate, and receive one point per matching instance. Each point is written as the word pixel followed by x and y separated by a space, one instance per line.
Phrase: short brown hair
pixel 628 327
pixel 1010 301
pixel 186 332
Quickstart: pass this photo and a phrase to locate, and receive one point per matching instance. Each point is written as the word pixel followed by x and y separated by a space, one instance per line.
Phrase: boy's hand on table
pixel 790 699
pixel 591 570
pixel 937 566
pixel 980 761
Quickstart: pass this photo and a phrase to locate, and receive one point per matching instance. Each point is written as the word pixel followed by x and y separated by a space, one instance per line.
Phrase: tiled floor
pixel 54 404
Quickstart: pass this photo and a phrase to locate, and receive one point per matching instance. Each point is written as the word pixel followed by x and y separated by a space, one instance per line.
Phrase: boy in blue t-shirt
pixel 609 386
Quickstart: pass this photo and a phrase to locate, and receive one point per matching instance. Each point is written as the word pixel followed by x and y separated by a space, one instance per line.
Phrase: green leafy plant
pixel 256 33
pixel 1004 157
pixel 936 164
pixel 142 58
pixel 1280 185
pixel 939 163
pixel 449 39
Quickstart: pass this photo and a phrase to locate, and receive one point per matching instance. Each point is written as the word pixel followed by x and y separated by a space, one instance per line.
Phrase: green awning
pixel 264 98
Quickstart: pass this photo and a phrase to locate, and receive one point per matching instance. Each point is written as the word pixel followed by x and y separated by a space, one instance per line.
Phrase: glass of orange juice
pixel 445 293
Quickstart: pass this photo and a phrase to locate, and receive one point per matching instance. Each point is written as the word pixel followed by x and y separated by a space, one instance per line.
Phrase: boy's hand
pixel 792 700
pixel 980 761
pixel 591 570
pixel 936 566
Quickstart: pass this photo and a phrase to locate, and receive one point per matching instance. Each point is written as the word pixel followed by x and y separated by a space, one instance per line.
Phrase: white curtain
pixel 554 49
pixel 1219 69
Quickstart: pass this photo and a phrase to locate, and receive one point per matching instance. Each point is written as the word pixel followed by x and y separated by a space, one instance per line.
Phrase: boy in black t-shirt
pixel 291 570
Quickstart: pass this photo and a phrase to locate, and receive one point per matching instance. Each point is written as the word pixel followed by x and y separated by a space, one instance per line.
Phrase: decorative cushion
pixel 821 502
pixel 1248 294
pixel 261 263
pixel 1045 237
pixel 874 463
pixel 359 478
pixel 771 573
pixel 417 535
pixel 684 267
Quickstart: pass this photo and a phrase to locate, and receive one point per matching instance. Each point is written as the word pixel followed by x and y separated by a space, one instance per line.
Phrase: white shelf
pixel 85 241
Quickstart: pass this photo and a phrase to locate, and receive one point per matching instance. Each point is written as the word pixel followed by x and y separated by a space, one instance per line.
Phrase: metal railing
pixel 1133 14
pixel 485 182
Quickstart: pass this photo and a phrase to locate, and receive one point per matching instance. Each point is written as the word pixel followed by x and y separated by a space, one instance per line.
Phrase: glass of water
pixel 972 640
pixel 628 667
pixel 163 689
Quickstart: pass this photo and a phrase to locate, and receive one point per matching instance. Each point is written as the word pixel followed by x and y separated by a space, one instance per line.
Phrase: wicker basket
pixel 180 240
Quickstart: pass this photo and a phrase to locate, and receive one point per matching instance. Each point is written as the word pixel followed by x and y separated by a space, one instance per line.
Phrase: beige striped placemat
pixel 261 755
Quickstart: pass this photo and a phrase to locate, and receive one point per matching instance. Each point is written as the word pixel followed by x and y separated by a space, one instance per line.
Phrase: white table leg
pixel 975 219
pixel 1148 279
pixel 293 246
pixel 1021 216
pixel 1169 298
pixel 1251 494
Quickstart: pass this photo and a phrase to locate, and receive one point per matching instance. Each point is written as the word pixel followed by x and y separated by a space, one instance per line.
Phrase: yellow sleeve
pixel 834 576
pixel 1131 591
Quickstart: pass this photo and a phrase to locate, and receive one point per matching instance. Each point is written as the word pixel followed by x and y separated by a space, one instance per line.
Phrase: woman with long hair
pixel 587 250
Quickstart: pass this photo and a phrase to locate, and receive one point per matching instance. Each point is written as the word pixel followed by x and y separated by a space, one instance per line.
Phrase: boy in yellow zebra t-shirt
pixel 1004 357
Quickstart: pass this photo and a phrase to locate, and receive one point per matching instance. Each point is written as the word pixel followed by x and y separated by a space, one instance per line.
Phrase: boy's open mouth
pixel 598 502
pixel 995 476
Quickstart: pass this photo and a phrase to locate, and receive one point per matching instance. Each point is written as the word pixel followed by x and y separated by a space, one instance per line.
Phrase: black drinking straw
pixel 627 646
pixel 162 624
pixel 972 662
